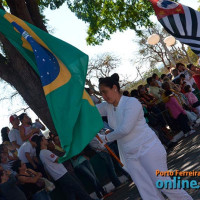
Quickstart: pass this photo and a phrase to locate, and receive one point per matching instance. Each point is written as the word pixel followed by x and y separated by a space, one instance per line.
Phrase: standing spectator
pixel 27 153
pixel 83 166
pixel 58 172
pixel 38 124
pixel 4 135
pixel 14 134
pixel 58 151
pixel 105 156
pixel 9 188
pixel 26 130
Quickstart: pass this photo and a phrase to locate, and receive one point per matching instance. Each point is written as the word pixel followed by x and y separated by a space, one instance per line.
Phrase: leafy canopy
pixel 105 17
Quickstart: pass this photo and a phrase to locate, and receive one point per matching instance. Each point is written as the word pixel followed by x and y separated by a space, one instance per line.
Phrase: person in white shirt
pixel 26 130
pixel 140 150
pixel 27 153
pixel 188 76
pixel 67 183
pixel 14 134
pixel 38 124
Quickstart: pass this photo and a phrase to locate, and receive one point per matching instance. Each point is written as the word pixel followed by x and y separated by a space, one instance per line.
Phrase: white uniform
pixel 140 150
pixel 14 136
pixel 26 148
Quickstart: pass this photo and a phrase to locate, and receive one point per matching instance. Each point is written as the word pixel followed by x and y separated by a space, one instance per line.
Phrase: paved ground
pixel 185 156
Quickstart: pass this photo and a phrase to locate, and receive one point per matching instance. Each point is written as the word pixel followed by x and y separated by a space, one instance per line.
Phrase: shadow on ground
pixel 185 156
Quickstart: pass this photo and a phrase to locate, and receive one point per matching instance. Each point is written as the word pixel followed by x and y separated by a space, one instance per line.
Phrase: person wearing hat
pixel 14 134
pixel 26 130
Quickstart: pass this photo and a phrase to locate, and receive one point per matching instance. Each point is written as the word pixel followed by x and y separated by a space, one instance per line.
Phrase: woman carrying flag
pixel 140 150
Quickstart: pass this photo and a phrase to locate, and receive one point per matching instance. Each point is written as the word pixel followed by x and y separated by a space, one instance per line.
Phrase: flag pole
pixel 109 150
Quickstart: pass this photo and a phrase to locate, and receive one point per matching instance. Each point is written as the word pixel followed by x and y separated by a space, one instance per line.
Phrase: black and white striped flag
pixel 180 21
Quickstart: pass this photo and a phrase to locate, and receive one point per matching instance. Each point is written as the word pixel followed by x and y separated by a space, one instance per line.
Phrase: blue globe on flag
pixel 165 4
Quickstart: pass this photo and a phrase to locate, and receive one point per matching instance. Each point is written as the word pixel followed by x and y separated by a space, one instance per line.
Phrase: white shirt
pixel 14 136
pixel 188 79
pixel 38 125
pixel 26 148
pixel 130 128
pixel 56 170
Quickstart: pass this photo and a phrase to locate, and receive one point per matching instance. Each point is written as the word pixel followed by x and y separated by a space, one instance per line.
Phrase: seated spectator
pixel 30 182
pixel 26 130
pixel 4 135
pixel 58 172
pixel 166 86
pixel 154 89
pixel 187 73
pixel 192 99
pixel 156 78
pixel 27 153
pixel 163 76
pixel 126 93
pixel 5 163
pixel 146 98
pixel 178 113
pixel 9 188
pixel 14 134
pixel 172 84
pixel 83 166
pixel 175 74
pixel 179 85
pixel 10 155
pixel 182 77
pixel 134 93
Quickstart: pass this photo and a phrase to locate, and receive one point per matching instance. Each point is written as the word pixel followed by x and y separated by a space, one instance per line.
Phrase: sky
pixel 66 26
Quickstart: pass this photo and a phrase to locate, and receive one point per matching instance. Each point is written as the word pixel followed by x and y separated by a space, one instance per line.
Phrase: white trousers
pixel 143 172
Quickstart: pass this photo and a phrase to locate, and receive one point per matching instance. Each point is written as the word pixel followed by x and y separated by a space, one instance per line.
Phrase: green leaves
pixel 54 4
pixel 108 16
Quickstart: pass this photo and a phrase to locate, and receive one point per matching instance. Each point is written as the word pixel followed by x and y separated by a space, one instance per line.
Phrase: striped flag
pixel 180 21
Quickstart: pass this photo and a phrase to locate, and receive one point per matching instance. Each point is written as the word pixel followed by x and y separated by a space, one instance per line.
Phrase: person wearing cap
pixel 14 134
pixel 26 130
pixel 27 153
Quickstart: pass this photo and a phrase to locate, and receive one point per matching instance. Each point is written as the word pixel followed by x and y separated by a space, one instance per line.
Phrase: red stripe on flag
pixel 171 9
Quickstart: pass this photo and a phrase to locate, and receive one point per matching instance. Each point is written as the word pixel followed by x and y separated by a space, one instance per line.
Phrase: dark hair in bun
pixel 110 81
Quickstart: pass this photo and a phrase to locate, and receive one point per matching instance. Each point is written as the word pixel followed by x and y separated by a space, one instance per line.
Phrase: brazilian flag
pixel 62 69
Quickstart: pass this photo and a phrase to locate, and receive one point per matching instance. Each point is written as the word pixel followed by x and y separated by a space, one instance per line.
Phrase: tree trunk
pixel 15 70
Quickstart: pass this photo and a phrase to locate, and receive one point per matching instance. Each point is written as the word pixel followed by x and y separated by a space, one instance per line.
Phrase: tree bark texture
pixel 15 70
